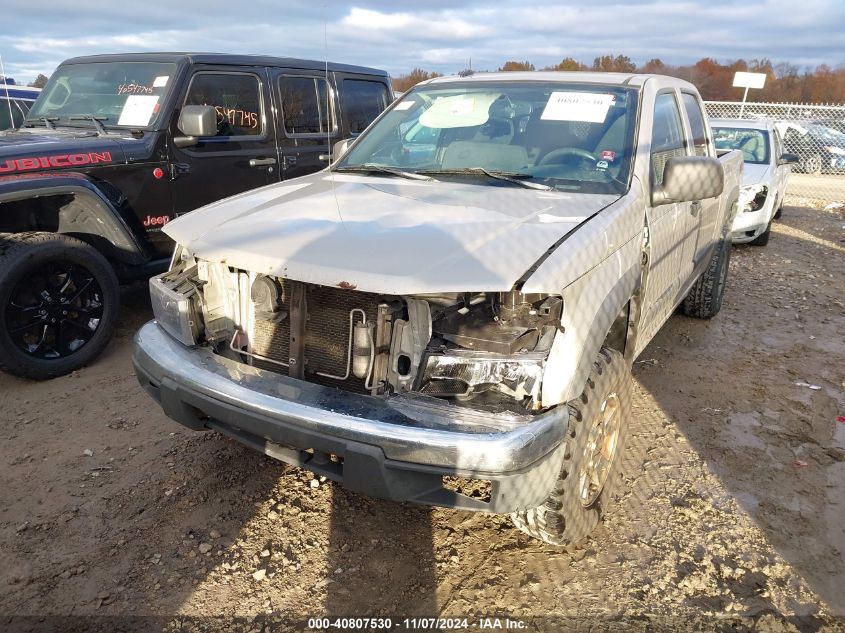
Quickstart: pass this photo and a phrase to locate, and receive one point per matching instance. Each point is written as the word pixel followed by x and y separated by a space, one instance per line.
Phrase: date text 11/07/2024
pixel 417 623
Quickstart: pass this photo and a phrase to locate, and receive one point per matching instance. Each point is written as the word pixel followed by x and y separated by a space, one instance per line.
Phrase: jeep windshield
pixel 567 136
pixel 122 94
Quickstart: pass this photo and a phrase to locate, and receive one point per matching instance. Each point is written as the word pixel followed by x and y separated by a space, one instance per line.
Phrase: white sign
pixel 749 80
pixel 587 107
pixel 138 110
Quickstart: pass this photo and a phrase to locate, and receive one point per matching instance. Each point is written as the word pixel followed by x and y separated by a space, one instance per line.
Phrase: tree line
pixel 785 82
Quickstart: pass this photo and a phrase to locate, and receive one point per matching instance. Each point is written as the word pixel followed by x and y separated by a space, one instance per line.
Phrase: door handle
pixel 260 162
pixel 695 207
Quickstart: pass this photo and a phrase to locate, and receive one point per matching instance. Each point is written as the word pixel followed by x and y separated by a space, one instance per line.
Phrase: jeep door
pixel 242 155
pixel 308 121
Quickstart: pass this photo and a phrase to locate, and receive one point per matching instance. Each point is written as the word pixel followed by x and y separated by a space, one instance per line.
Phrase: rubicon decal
pixel 48 162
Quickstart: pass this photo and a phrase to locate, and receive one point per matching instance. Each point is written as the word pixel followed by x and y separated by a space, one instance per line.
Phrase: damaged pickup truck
pixel 449 313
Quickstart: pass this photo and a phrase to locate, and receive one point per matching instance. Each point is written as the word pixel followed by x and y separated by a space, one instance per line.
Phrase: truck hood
pixel 386 235
pixel 753 174
pixel 38 149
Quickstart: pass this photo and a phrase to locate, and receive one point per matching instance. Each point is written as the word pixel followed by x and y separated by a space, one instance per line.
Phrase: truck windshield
pixel 124 94
pixel 563 135
pixel 754 144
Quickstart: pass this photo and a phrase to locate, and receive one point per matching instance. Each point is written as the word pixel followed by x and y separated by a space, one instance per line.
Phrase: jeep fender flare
pixel 86 211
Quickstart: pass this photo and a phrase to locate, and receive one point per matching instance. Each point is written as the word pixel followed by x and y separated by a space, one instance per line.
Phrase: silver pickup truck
pixel 448 314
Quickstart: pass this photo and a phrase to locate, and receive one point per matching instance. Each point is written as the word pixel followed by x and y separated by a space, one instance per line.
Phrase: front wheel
pixel 58 304
pixel 591 474
pixel 813 165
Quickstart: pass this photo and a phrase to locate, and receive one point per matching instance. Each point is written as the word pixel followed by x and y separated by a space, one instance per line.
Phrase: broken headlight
pixel 752 198
pixel 459 373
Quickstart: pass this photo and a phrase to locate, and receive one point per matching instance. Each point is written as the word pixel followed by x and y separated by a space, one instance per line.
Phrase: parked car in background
pixel 820 149
pixel 470 307
pixel 15 102
pixel 116 146
pixel 766 169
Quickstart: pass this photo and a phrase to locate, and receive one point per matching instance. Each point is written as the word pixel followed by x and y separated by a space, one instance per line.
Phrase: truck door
pixel 667 222
pixel 703 214
pixel 242 155
pixel 308 124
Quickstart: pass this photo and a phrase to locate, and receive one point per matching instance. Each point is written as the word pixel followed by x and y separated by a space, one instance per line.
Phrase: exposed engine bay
pixel 476 349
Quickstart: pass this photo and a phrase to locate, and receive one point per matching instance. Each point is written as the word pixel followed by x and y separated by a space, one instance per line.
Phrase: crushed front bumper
pixel 399 448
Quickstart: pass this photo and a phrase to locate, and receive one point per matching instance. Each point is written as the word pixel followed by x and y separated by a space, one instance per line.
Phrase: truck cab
pixel 117 146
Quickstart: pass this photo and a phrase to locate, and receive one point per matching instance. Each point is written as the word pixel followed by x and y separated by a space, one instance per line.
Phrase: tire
pixel 572 510
pixel 778 213
pixel 58 304
pixel 704 299
pixel 763 238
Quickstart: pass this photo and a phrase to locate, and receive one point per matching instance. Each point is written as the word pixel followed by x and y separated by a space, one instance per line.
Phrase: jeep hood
pixel 37 146
pixel 384 234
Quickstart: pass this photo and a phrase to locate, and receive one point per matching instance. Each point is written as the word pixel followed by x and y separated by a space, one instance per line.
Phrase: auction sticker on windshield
pixel 138 110
pixel 586 107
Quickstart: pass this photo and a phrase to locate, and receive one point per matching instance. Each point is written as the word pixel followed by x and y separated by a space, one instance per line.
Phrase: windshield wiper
pixel 384 169
pixel 96 120
pixel 46 120
pixel 514 177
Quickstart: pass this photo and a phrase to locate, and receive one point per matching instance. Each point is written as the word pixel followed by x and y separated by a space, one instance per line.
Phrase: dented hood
pixel 384 234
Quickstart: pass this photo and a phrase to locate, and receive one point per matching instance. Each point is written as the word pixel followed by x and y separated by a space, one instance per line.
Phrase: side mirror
pixel 340 148
pixel 195 122
pixel 688 178
pixel 787 159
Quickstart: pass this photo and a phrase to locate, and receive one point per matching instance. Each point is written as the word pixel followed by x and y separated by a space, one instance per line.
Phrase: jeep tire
pixel 591 473
pixel 58 304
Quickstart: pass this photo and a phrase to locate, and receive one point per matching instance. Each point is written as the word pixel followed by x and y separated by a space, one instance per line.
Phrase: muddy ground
pixel 735 505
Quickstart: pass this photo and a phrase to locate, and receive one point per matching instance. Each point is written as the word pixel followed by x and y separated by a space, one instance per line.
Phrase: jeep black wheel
pixel 591 475
pixel 59 299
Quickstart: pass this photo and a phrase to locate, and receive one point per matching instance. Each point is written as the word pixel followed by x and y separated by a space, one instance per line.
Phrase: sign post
pixel 748 80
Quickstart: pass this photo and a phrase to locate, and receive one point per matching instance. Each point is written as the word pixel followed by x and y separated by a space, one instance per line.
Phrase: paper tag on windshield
pixel 404 105
pixel 161 82
pixel 587 107
pixel 138 110
pixel 461 107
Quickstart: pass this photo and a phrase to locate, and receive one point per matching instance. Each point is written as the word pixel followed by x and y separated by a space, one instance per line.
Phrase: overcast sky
pixel 398 35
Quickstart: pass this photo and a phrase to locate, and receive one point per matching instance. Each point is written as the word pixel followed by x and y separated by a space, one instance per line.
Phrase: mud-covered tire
pixel 564 518
pixel 763 238
pixel 704 299
pixel 71 319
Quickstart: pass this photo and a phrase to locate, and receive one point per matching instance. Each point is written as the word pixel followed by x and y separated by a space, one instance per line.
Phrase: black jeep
pixel 118 145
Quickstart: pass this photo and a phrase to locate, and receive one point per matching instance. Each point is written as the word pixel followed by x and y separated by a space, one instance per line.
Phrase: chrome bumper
pixel 411 432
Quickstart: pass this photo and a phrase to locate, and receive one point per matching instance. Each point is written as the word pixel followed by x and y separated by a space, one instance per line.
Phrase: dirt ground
pixel 735 505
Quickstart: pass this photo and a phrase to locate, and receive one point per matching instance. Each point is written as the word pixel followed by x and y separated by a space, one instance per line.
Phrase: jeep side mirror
pixel 787 159
pixel 195 122
pixel 688 178
pixel 340 148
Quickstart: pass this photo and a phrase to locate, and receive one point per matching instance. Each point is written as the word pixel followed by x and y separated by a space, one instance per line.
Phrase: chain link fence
pixel 814 133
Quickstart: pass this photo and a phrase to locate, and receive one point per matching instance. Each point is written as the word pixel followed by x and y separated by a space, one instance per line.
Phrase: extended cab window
pixel 696 122
pixel 364 101
pixel 667 136
pixel 306 106
pixel 235 96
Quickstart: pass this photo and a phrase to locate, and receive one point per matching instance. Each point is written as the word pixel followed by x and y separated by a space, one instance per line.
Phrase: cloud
pixel 440 35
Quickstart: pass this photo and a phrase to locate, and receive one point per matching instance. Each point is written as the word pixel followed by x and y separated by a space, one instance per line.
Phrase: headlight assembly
pixel 172 296
pixel 752 197
pixel 460 373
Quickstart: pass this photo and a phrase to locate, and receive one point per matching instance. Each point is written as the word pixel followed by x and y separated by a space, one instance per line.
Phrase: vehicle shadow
pixel 737 390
